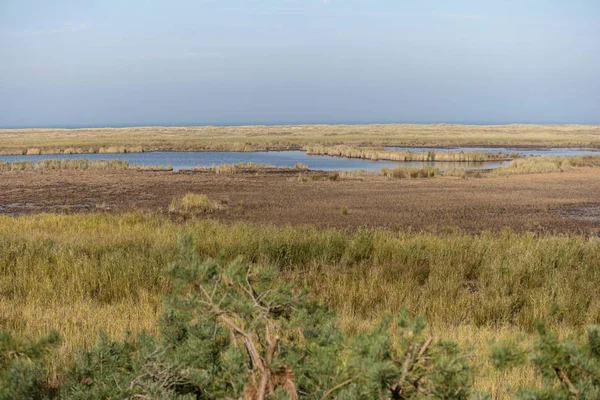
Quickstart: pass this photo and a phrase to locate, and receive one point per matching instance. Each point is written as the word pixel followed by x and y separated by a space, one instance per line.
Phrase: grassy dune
pixel 247 138
pixel 82 273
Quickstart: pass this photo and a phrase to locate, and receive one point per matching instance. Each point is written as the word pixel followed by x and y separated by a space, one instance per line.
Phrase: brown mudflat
pixel 554 202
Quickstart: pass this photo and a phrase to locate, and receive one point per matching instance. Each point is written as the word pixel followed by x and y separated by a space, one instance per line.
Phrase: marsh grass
pixel 403 156
pixel 456 172
pixel 247 167
pixel 35 151
pixel 16 166
pixel 78 164
pixel 143 167
pixel 410 172
pixel 81 164
pixel 545 164
pixel 193 203
pixel 82 273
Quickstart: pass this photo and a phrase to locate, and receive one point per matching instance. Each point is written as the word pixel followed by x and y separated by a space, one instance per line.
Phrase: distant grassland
pixel 248 138
pixel 82 273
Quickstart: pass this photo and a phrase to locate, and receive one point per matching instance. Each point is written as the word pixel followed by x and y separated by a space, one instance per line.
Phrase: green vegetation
pixel 232 331
pixel 251 138
pixel 81 273
pixel 237 330
pixel 22 373
pixel 570 369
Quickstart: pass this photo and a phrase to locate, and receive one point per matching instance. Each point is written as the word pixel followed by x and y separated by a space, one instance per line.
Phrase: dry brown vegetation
pixel 536 165
pixel 247 138
pixel 556 202
pixel 78 164
pixel 376 154
pixel 249 167
pixel 194 204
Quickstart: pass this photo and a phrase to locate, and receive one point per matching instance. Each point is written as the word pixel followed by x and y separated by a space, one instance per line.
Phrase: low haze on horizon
pixel 70 63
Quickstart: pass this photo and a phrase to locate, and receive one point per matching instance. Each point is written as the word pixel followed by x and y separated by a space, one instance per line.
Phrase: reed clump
pixel 408 172
pixel 456 172
pixel 17 166
pixel 193 203
pixel 112 150
pixel 337 175
pixel 71 150
pixel 356 175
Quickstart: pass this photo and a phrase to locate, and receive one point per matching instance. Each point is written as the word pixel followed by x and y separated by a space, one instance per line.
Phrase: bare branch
pixel 562 375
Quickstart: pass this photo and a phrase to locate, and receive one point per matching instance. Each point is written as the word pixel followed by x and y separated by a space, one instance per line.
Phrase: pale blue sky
pixel 183 62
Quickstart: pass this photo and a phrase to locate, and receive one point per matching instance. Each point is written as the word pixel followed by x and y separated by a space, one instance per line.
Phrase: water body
pixel 186 160
pixel 503 150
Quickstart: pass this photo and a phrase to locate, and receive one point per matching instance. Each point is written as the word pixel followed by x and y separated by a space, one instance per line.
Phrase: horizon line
pixel 198 125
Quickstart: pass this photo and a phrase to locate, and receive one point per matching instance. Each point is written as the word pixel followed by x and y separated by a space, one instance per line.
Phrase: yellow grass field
pixel 248 138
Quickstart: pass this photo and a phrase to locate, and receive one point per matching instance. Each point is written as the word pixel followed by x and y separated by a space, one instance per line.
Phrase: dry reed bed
pixel 36 151
pixel 83 164
pixel 401 156
pixel 79 164
pixel 250 138
pixel 82 273
pixel 246 167
pixel 544 164
pixel 194 204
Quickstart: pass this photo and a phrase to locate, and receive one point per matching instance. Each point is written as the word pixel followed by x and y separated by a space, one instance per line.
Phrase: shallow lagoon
pixel 186 160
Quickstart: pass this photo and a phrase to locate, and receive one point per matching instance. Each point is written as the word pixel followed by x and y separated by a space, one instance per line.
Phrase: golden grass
pixel 77 164
pixel 193 203
pixel 410 172
pixel 249 138
pixel 246 167
pixel 82 273
pixel 545 164
pixel 402 156
pixel 456 172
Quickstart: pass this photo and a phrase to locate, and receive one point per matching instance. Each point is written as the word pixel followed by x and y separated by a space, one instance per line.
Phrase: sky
pixel 79 63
